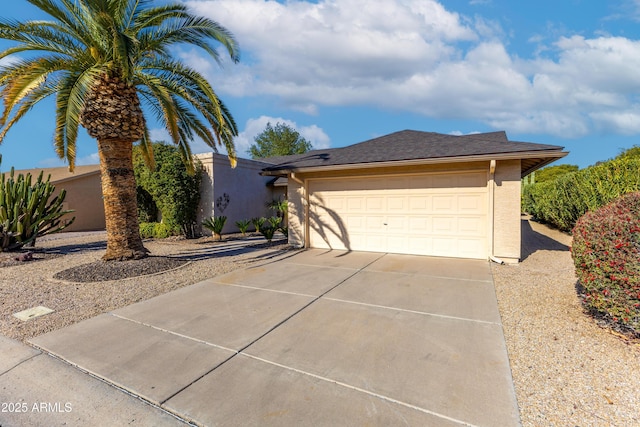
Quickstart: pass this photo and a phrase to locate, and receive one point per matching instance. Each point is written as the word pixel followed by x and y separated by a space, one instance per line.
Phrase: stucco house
pixel 243 191
pixel 413 192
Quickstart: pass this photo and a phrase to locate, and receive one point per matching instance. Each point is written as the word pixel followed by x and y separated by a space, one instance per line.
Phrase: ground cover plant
pixel 606 253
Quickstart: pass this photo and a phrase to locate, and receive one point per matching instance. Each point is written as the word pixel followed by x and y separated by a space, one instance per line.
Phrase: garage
pixel 413 192
pixel 443 214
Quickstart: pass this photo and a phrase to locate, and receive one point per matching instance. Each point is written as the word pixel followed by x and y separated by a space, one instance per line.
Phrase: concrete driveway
pixel 317 338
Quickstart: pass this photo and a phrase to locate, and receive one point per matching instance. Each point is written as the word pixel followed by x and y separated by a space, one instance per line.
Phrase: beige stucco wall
pixel 84 195
pixel 296 211
pixel 247 190
pixel 506 209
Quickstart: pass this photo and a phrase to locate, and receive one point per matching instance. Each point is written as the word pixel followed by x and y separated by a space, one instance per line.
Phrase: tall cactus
pixel 26 212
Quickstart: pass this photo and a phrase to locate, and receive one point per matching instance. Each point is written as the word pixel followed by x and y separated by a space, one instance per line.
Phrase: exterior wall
pixel 84 195
pixel 247 190
pixel 506 208
pixel 296 212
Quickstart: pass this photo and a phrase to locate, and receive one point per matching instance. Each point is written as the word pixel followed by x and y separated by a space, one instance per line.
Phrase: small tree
pixel 281 140
pixel 173 191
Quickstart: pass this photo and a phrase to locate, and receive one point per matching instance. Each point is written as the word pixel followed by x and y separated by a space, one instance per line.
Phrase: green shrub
pixel 562 201
pixel 243 225
pixel 169 189
pixel 28 210
pixel 275 222
pixel 268 231
pixel 215 224
pixel 257 223
pixel 606 253
pixel 156 230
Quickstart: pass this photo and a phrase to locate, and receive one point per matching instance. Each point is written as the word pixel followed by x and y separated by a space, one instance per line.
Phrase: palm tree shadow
pixel 326 229
pixel 532 241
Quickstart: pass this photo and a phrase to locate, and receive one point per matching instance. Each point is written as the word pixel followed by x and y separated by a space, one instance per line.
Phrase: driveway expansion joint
pixel 276 326
pixel 404 310
pixel 361 390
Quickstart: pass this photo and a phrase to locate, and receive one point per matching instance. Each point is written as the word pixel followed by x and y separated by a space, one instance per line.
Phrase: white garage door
pixel 435 214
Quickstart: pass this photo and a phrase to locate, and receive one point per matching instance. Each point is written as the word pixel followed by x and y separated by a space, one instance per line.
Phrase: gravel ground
pixel 67 275
pixel 567 370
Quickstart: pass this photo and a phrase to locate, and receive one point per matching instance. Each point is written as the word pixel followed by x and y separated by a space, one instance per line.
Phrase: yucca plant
pixel 28 210
pixel 215 224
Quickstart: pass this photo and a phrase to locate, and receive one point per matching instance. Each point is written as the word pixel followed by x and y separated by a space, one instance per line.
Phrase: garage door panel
pixel 444 203
pixel 420 203
pixel 431 214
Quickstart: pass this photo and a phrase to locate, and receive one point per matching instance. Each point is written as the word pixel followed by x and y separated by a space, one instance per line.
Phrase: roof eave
pixel 548 156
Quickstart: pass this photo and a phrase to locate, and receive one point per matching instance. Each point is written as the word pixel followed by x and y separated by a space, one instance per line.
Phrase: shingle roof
pixel 410 145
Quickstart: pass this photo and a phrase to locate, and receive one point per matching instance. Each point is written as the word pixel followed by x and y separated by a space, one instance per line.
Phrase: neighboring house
pixel 247 191
pixel 413 192
pixel 84 194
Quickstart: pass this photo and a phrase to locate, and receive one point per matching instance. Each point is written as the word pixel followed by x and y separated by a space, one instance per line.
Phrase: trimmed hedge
pixel 606 253
pixel 563 201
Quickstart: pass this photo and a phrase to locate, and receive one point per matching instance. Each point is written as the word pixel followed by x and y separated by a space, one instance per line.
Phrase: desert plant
pixel 268 231
pixel 275 222
pixel 215 224
pixel 606 253
pixel 284 230
pixel 243 225
pixel 258 222
pixel 29 210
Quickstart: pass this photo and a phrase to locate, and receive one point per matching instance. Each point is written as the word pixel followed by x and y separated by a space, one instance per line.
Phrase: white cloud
pixel 417 56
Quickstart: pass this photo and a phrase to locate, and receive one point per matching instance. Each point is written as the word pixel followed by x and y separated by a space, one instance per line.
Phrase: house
pixel 84 194
pixel 413 192
pixel 240 193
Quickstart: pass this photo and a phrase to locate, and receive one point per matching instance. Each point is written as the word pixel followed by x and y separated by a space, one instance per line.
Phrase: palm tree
pixel 104 60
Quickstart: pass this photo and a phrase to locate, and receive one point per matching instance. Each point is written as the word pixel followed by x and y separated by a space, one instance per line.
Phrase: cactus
pixel 26 211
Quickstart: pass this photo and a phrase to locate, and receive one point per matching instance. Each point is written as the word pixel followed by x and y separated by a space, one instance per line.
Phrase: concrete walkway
pixel 318 338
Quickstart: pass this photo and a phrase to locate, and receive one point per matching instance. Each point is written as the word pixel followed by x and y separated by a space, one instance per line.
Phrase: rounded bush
pixel 606 253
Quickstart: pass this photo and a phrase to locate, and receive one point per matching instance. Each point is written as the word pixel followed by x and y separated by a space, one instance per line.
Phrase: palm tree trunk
pixel 120 204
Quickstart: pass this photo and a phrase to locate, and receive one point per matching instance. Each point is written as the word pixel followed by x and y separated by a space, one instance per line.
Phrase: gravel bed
pixel 567 370
pixel 99 271
pixel 76 258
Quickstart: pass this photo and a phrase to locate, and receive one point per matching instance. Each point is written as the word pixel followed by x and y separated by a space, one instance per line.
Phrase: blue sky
pixel 561 72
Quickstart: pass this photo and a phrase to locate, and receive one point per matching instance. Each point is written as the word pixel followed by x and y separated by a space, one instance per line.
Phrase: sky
pixel 560 72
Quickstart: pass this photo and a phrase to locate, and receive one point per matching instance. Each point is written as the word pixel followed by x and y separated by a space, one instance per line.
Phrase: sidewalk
pixel 39 390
